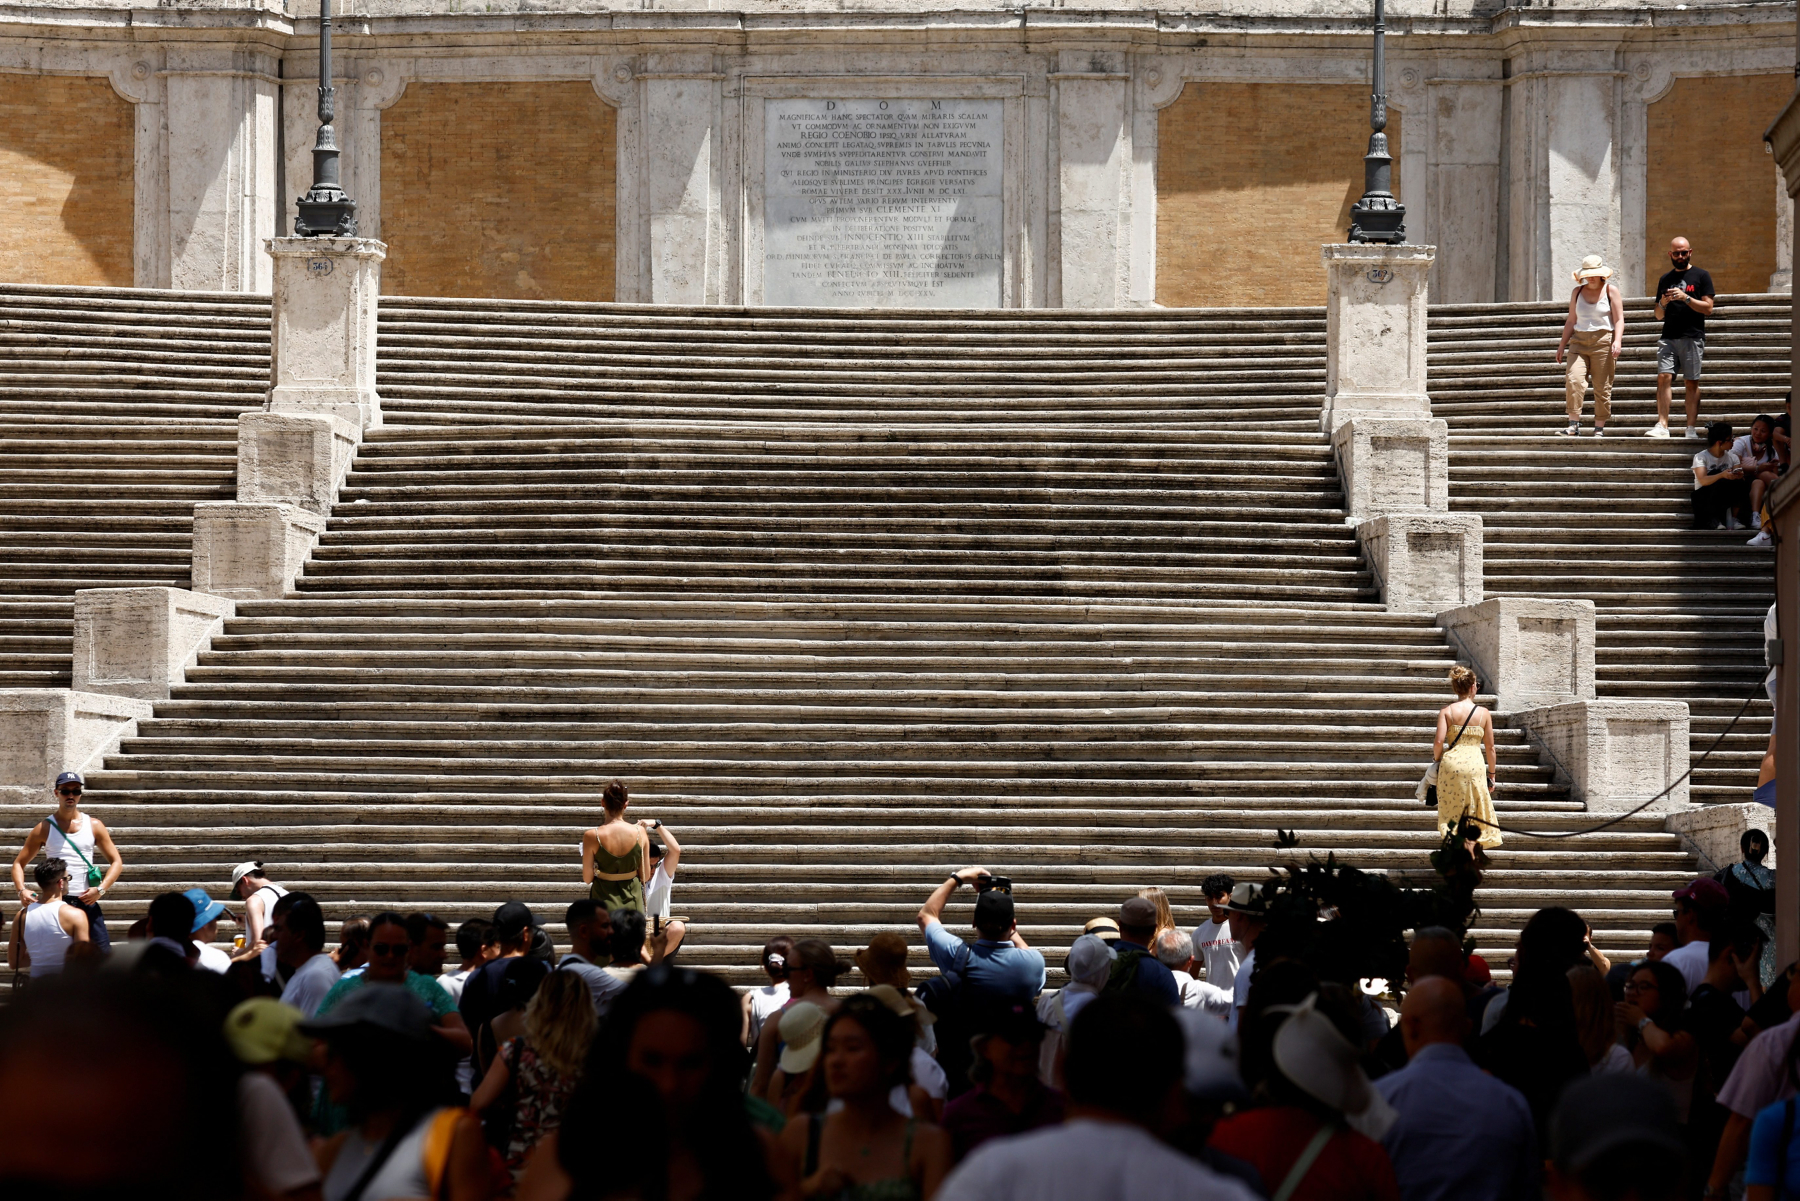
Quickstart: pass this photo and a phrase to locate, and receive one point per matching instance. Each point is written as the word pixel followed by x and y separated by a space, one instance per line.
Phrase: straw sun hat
pixel 1593 265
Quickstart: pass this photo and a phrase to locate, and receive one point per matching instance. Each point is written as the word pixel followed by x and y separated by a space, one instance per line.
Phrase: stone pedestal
pixel 1393 465
pixel 1528 652
pixel 251 552
pixel 322 332
pixel 1615 755
pixel 1713 831
pixel 1375 331
pixel 47 731
pixel 139 642
pixel 1424 562
pixel 294 458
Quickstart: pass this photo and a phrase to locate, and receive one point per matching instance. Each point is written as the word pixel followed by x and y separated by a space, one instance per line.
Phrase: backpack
pixel 1124 972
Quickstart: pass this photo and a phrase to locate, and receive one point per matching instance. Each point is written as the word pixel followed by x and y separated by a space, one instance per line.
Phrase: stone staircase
pixel 850 600
pixel 1679 610
pixel 118 410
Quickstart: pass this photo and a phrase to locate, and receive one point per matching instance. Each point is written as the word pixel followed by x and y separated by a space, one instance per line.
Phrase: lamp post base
pixel 1378 218
pixel 325 217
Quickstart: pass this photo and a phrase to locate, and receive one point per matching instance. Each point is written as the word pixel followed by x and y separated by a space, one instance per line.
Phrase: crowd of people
pixel 1733 472
pixel 1167 1062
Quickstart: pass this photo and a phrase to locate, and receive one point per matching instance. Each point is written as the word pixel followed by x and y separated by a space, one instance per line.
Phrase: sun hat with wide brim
pixel 1591 266
pixel 1311 1052
pixel 802 1028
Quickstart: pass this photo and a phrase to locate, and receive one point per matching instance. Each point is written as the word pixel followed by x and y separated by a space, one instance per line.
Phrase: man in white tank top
pixel 47 929
pixel 83 843
pixel 666 935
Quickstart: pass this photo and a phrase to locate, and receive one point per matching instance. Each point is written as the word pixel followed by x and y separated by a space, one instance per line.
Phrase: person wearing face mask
pixel 1750 893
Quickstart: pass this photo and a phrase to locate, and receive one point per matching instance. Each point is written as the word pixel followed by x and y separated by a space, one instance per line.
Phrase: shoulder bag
pixel 94 874
pixel 1427 790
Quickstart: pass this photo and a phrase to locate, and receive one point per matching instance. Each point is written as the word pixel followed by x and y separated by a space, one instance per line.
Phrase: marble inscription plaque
pixel 882 203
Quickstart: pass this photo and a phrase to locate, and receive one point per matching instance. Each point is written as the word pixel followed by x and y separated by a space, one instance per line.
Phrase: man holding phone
pixel 1684 299
pixel 997 965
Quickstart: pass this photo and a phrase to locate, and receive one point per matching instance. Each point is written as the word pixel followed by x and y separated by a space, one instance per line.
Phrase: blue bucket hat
pixel 205 908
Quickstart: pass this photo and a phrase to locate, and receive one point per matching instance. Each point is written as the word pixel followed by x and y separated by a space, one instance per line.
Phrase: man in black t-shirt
pixel 1684 298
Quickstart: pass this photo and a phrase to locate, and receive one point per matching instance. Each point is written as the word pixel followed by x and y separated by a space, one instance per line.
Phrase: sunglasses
pixel 1680 254
pixel 389 948
pixel 68 792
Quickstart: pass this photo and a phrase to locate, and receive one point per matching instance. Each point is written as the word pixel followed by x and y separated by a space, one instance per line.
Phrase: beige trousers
pixel 1590 354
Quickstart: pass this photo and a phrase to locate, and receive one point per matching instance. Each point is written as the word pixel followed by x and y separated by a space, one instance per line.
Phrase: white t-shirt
pixel 452 982
pixel 1691 961
pixel 1085 1160
pixel 1218 952
pixel 314 978
pixel 213 959
pixel 765 1001
pixel 1713 464
pixel 275 1150
pixel 1746 453
pixel 656 893
pixel 1240 987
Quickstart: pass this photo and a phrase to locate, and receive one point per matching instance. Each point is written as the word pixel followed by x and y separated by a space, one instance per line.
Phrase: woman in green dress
pixel 615 856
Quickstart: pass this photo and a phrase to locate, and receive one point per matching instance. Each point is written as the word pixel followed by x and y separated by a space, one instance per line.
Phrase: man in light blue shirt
pixel 997 965
pixel 1461 1135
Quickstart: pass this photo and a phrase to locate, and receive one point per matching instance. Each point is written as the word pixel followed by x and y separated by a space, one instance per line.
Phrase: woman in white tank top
pixel 1593 337
pixel 48 928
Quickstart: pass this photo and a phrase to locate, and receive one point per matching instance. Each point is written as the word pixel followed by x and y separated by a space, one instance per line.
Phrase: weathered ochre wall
pixel 499 189
pixel 1711 181
pixel 66 153
pixel 1251 179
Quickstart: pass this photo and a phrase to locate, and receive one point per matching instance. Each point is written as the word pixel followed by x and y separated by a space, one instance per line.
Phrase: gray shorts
pixel 1685 353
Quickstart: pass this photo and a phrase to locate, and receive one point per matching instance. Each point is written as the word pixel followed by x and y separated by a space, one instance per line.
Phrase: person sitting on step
pixel 1720 488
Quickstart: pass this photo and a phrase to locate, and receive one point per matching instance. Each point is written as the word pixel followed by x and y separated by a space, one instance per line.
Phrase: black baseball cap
pixel 513 919
pixel 993 909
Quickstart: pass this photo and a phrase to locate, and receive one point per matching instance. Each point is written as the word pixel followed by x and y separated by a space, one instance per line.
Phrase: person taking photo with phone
pixel 998 965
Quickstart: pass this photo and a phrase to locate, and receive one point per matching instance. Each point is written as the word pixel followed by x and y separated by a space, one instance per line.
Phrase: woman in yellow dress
pixel 1465 783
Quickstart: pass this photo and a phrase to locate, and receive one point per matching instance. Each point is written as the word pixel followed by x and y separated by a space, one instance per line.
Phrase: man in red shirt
pixel 1303 1144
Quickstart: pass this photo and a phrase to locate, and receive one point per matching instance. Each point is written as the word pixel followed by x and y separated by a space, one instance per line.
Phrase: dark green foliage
pixel 1349 925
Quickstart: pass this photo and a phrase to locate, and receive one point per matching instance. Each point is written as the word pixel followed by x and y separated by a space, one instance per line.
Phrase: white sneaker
pixel 1691 432
pixel 1658 430
pixel 1732 523
pixel 1599 431
pixel 1574 428
pixel 1761 539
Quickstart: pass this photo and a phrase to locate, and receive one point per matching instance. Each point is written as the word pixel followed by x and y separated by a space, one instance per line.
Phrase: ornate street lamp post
pixel 326 211
pixel 1378 217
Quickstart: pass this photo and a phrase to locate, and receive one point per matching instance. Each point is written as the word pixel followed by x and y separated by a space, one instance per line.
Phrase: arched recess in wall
pixel 500 189
pixel 1710 180
pixel 66 199
pixel 1251 179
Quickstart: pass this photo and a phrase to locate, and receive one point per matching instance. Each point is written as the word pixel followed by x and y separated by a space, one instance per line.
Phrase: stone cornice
pixel 1254 21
